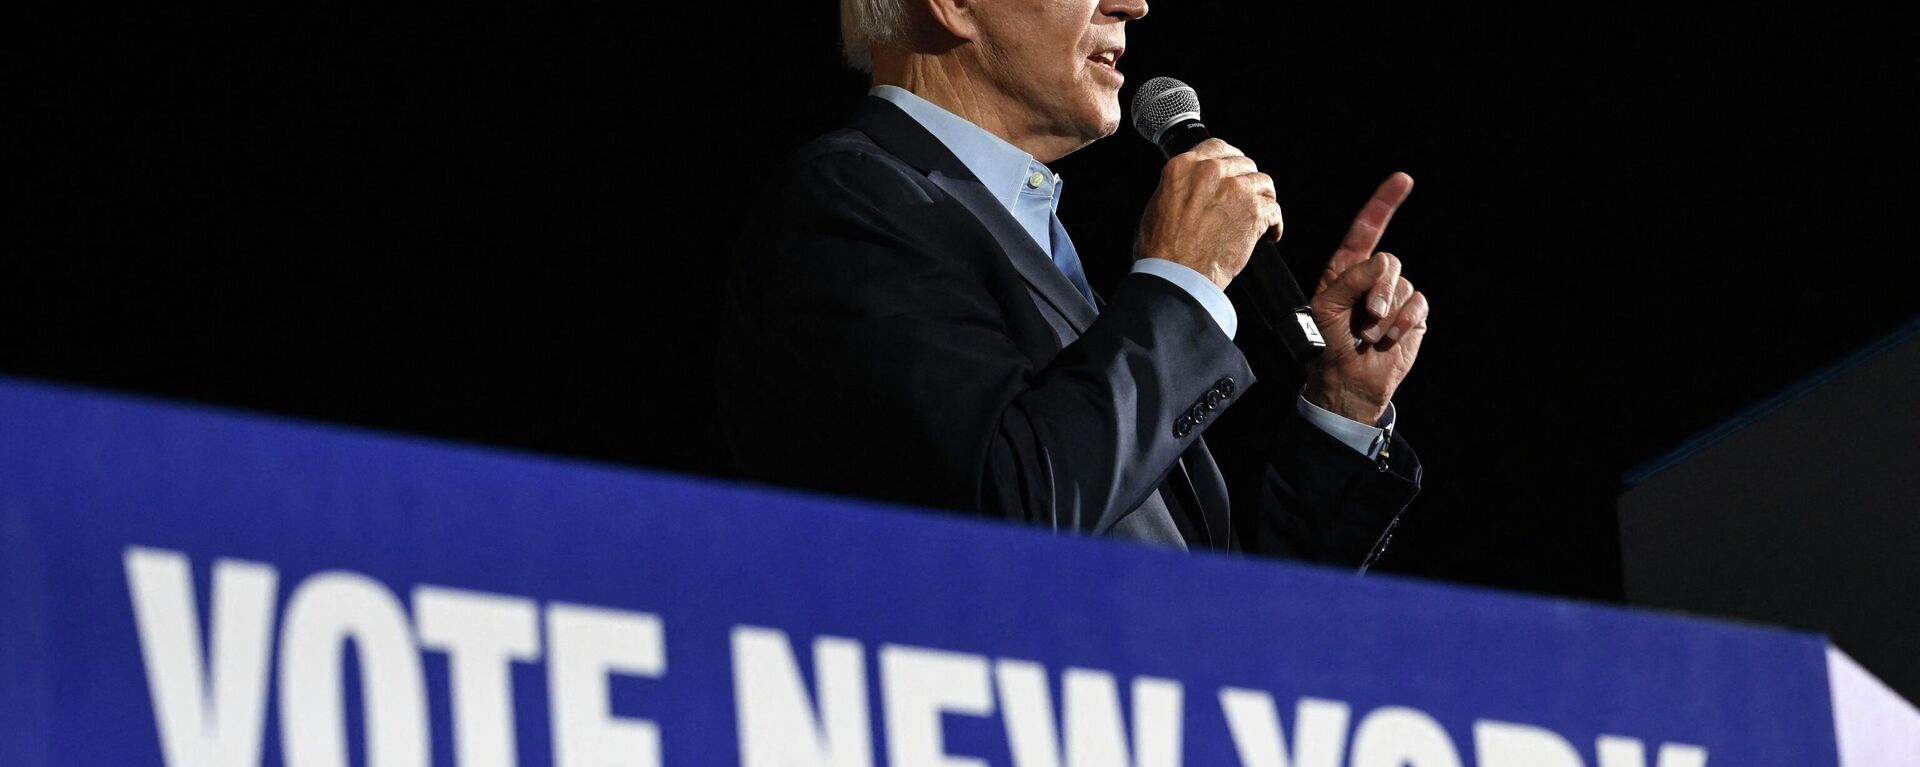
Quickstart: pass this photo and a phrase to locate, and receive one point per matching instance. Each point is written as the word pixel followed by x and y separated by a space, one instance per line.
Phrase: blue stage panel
pixel 628 609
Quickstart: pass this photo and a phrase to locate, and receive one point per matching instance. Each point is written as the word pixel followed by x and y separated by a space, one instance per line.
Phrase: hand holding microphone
pixel 1359 335
pixel 1212 205
pixel 1167 113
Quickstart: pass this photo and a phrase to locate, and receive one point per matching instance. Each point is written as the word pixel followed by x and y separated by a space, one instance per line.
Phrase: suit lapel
pixel 894 131
pixel 1034 265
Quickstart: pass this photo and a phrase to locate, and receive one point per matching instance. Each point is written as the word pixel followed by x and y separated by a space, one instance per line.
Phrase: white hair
pixel 867 24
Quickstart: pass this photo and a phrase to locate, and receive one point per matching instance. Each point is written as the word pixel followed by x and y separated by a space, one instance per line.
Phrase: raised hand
pixel 1371 316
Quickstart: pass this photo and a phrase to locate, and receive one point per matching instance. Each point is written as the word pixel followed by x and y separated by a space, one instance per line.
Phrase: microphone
pixel 1166 112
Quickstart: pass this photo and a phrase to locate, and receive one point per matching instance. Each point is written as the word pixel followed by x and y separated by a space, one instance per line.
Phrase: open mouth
pixel 1107 58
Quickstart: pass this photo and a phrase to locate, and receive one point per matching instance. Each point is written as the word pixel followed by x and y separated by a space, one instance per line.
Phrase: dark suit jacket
pixel 892 332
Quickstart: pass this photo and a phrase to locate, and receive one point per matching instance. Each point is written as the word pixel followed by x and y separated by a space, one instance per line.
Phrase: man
pixel 908 320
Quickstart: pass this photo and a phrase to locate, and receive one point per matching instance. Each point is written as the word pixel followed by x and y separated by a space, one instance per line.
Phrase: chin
pixel 1094 117
pixel 1099 115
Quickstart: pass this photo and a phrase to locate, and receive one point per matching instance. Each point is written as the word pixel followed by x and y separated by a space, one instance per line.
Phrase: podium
pixel 1803 510
pixel 181 585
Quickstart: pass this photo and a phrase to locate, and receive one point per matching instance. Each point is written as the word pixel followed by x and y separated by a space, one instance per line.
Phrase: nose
pixel 1124 10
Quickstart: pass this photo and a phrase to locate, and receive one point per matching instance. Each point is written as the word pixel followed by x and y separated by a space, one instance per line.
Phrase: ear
pixel 957 18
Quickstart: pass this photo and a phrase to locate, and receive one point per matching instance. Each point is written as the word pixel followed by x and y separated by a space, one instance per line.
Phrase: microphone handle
pixel 1279 305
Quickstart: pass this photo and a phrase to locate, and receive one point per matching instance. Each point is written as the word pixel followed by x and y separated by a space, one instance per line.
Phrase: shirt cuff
pixel 1365 440
pixel 1202 289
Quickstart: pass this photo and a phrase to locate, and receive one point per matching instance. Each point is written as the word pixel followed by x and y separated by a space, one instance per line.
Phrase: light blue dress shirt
pixel 1031 192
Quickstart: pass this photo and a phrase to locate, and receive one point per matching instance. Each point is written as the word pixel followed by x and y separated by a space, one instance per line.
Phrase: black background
pixel 508 226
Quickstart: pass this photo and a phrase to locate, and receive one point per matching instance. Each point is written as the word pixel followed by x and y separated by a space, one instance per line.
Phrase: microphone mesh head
pixel 1161 102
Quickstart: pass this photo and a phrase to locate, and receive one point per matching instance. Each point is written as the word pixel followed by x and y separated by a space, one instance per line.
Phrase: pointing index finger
pixel 1367 227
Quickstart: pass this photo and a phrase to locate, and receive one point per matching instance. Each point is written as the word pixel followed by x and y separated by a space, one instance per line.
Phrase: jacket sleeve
pixel 1296 491
pixel 867 348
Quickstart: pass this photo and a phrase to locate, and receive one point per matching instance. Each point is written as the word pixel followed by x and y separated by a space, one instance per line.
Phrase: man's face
pixel 1054 59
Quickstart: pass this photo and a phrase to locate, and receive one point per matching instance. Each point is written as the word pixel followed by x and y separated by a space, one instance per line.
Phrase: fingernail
pixel 1371 335
pixel 1393 333
pixel 1379 306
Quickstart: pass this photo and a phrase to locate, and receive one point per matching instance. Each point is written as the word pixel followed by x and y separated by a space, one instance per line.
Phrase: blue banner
pixel 180 585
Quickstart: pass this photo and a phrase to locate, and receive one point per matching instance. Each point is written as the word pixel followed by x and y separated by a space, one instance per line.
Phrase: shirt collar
pixel 1001 166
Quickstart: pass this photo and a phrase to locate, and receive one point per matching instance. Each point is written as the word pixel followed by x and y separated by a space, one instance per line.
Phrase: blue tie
pixel 1068 259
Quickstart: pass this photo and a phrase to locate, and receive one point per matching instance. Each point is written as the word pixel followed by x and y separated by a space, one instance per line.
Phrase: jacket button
pixel 1198 412
pixel 1213 399
pixel 1182 427
pixel 1225 387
